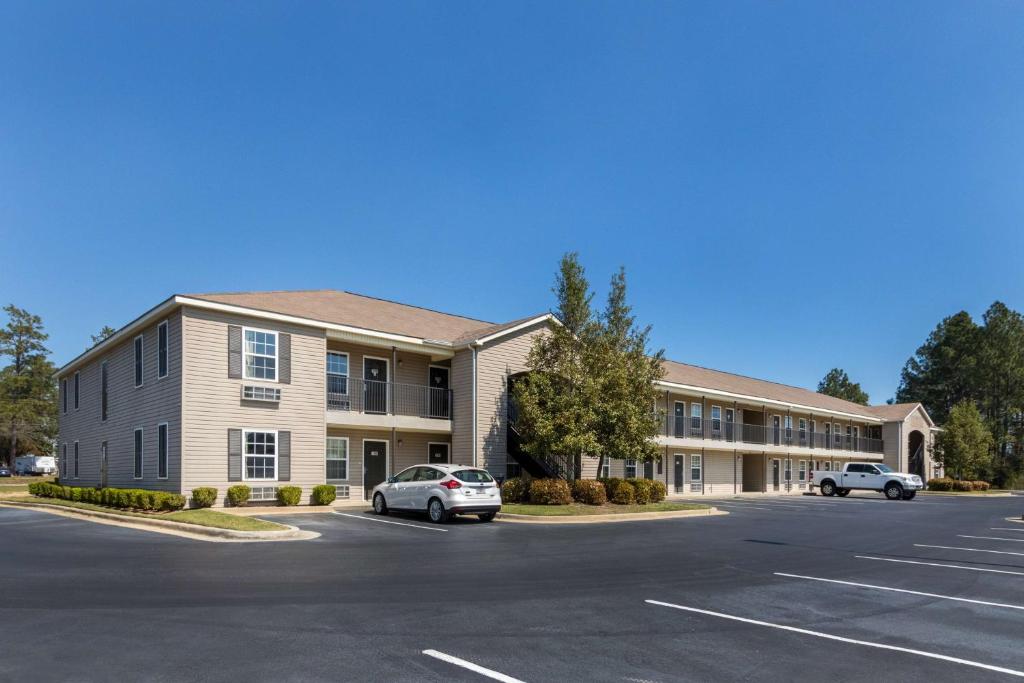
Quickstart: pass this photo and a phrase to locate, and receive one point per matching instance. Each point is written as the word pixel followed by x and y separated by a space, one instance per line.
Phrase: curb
pixel 607 519
pixel 204 533
pixel 1016 520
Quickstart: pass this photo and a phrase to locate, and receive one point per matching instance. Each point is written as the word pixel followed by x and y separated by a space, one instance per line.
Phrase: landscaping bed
pixel 578 509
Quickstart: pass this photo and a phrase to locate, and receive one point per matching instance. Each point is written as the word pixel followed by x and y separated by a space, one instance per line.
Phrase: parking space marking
pixel 842 639
pixel 992 538
pixel 388 521
pixel 971 550
pixel 938 564
pixel 739 507
pixel 476 668
pixel 1003 528
pixel 901 590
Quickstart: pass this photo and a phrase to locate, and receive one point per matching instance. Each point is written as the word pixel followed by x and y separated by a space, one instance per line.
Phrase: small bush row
pixel 586 491
pixel 550 492
pixel 639 491
pixel 128 499
pixel 948 484
pixel 589 492
pixel 322 494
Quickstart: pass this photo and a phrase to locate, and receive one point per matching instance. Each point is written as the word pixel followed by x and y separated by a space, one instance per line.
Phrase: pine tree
pixel 28 393
pixel 838 384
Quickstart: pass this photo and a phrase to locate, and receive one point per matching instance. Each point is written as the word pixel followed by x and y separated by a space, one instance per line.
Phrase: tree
pixel 942 372
pixel 964 445
pixel 28 393
pixel 104 334
pixel 837 383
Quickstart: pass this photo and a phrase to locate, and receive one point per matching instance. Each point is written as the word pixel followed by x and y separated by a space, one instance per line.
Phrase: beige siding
pixel 462 404
pixel 157 400
pixel 213 402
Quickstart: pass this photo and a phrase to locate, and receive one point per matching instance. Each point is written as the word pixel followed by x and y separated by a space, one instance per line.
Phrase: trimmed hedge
pixel 589 492
pixel 948 484
pixel 550 492
pixel 514 490
pixel 659 493
pixel 644 490
pixel 289 495
pixel 610 485
pixel 238 495
pixel 137 499
pixel 204 496
pixel 323 494
pixel 625 494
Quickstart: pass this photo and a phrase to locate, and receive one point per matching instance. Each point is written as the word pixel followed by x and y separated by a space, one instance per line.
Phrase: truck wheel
pixel 828 488
pixel 909 495
pixel 843 493
pixel 893 491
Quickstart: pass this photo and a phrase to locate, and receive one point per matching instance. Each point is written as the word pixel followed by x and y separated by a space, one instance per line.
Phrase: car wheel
pixel 828 489
pixel 379 506
pixel 843 492
pixel 486 517
pixel 893 491
pixel 436 511
pixel 909 495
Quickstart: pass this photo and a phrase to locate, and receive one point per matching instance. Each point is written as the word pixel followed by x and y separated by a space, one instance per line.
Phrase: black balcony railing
pixel 388 398
pixel 722 430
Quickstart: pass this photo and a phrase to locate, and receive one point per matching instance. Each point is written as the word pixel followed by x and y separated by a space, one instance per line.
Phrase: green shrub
pixel 550 492
pixel 624 494
pixel 238 495
pixel 204 496
pixel 514 490
pixel 137 499
pixel 940 484
pixel 323 494
pixel 644 490
pixel 610 485
pixel 981 485
pixel 589 492
pixel 289 495
pixel 659 492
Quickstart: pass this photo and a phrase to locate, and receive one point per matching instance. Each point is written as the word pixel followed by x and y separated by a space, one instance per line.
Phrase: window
pixel 630 469
pixel 64 461
pixel 802 424
pixel 161 450
pixel 856 438
pixel 788 422
pixel 64 396
pixel 260 455
pixel 161 349
pixel 337 381
pixel 103 390
pixel 696 415
pixel 260 351
pixel 76 391
pixel 406 476
pixel 138 360
pixel 789 470
pixel 837 431
pixel 606 468
pixel 716 418
pixel 76 460
pixel 257 393
pixel 803 471
pixel 695 468
pixel 138 454
pixel 337 458
pixel 471 476
pixel 849 436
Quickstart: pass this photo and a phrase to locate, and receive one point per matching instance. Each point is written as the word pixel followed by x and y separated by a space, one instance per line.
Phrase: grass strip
pixel 578 510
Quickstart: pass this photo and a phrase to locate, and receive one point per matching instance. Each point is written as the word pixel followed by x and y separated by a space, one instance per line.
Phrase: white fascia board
pixel 512 330
pixel 766 401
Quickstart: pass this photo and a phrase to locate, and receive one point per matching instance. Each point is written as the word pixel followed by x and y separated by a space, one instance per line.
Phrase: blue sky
pixel 791 186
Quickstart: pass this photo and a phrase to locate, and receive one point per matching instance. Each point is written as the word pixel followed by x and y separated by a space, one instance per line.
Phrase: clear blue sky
pixel 791 186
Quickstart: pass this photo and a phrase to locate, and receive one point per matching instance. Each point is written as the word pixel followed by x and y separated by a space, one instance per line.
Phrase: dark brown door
pixel 438 404
pixel 375 464
pixel 437 453
pixel 375 385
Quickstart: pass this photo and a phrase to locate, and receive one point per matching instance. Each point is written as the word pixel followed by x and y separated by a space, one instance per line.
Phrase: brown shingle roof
pixel 895 411
pixel 358 310
pixel 694 375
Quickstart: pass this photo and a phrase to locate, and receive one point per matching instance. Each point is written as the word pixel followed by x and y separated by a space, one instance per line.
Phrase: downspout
pixel 899 450
pixel 393 386
pixel 476 346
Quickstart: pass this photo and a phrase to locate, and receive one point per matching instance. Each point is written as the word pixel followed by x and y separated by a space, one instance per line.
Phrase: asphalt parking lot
pixel 800 588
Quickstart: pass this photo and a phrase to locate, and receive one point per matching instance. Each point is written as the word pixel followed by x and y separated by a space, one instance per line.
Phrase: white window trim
pixel 167 450
pixel 626 466
pixel 606 467
pixel 348 363
pixel 699 459
pixel 167 351
pixel 348 460
pixel 802 472
pixel 277 360
pixel 77 385
pixel 387 460
pixel 140 360
pixel 439 443
pixel 719 418
pixel 251 430
pixel 142 453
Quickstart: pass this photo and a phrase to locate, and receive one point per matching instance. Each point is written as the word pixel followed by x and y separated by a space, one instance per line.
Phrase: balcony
pixel 368 403
pixel 705 429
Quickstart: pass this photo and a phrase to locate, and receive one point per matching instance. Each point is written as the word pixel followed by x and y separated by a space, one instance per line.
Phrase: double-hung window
pixel 260 454
pixel 837 434
pixel 337 458
pixel 716 419
pixel 138 453
pixel 789 427
pixel 161 450
pixel 696 417
pixel 855 445
pixel 789 470
pixel 696 471
pixel 76 391
pixel 630 469
pixel 337 381
pixel 138 360
pixel 803 472
pixel 260 350
pixel 803 430
pixel 161 349
pixel 606 468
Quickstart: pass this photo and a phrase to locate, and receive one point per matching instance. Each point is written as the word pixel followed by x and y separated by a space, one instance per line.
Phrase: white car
pixel 441 491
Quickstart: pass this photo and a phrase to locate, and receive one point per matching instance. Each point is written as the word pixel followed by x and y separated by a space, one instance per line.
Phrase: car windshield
pixel 885 469
pixel 473 476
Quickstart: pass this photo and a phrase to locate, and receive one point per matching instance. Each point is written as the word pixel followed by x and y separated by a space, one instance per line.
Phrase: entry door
pixel 776 474
pixel 730 418
pixel 437 390
pixel 375 385
pixel 678 474
pixel 679 429
pixel 648 469
pixel 375 464
pixel 437 453
pixel 776 429
pixel 103 465
pixel 828 435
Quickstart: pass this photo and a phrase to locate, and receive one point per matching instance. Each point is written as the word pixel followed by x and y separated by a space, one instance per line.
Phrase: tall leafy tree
pixel 28 393
pixel 838 384
pixel 943 371
pixel 106 332
pixel 964 445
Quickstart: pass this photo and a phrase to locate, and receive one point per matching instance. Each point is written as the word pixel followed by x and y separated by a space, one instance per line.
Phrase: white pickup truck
pixel 868 476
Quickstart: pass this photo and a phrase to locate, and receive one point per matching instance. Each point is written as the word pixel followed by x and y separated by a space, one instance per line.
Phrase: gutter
pixel 475 346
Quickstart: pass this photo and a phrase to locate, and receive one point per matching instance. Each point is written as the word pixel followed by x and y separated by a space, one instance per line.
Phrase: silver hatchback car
pixel 441 491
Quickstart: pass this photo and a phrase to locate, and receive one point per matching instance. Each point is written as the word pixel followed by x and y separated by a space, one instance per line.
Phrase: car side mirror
pixel 392 480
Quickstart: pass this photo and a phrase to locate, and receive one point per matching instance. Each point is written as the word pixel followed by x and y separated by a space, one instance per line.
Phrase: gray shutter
pixel 234 351
pixel 284 456
pixel 234 455
pixel 284 358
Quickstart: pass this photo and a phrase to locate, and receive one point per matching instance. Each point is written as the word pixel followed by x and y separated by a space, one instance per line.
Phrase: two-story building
pixel 314 387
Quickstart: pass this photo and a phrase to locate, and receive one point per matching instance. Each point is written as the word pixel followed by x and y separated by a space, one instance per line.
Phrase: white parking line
pixel 739 507
pixel 972 550
pixel 992 538
pixel 937 564
pixel 841 639
pixel 1004 528
pixel 388 521
pixel 476 668
pixel 901 590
